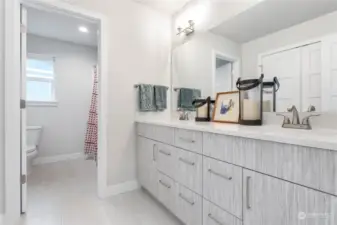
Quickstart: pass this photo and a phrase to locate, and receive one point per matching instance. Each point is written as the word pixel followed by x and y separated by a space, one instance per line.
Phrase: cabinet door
pixel 146 158
pixel 268 200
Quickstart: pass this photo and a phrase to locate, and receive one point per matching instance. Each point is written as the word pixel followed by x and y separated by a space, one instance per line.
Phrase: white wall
pixel 139 51
pixel 223 78
pixel 308 30
pixel 2 146
pixel 193 62
pixel 64 126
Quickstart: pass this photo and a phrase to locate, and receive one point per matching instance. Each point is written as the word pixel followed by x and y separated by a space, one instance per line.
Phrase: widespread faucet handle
pixel 311 108
pixel 306 120
pixel 286 119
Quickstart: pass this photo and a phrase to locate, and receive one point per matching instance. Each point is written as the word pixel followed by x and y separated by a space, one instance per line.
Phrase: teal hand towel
pixel 146 98
pixel 186 97
pixel 160 93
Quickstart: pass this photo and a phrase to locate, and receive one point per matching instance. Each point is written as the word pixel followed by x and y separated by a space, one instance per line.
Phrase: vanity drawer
pixel 166 157
pixel 189 170
pixel 188 206
pixel 158 133
pixel 213 215
pixel 187 139
pixel 166 192
pixel 223 185
pixel 219 146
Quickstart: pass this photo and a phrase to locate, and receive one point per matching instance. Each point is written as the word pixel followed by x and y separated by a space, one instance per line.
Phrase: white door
pixel 286 66
pixel 311 76
pixel 329 69
pixel 23 110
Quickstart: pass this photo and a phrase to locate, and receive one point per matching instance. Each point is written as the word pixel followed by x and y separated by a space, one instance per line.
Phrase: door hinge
pixel 23 29
pixel 23 178
pixel 22 104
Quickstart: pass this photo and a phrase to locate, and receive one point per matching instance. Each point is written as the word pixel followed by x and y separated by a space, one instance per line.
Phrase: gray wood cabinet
pixel 146 165
pixel 222 184
pixel 268 200
pixel 213 179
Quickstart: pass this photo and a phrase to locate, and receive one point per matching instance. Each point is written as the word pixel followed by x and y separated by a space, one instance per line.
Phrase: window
pixel 40 79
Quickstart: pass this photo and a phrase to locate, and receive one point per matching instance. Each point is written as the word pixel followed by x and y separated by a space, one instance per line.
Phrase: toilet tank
pixel 33 135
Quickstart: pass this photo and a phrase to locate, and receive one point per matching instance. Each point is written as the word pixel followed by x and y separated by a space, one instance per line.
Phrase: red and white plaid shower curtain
pixel 90 147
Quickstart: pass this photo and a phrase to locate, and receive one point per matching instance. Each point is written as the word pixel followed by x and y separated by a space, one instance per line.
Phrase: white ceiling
pixel 61 27
pixel 167 6
pixel 270 16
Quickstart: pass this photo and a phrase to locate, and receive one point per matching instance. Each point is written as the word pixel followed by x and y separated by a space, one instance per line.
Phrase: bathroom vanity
pixel 224 174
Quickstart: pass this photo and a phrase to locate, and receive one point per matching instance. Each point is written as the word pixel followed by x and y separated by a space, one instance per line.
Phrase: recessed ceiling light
pixel 83 29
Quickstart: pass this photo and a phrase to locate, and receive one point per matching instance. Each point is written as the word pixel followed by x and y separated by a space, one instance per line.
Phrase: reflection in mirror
pixel 223 74
pixel 300 50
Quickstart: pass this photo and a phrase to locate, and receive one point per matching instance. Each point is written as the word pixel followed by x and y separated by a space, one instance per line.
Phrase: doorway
pixel 43 81
pixel 226 71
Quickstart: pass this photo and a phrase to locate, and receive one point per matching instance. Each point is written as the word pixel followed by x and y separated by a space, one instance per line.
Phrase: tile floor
pixel 64 193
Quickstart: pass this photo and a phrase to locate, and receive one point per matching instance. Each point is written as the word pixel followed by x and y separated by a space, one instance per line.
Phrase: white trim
pixel 42 103
pixel 236 64
pixel 117 189
pixel 12 95
pixel 2 219
pixel 57 158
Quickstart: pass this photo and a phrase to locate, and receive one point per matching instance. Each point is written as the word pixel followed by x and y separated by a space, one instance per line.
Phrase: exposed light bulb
pixel 83 29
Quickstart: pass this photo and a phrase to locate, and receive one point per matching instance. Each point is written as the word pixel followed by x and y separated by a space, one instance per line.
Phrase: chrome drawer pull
pixel 248 193
pixel 165 153
pixel 186 161
pixel 186 199
pixel 187 140
pixel 153 152
pixel 164 184
pixel 214 219
pixel 220 175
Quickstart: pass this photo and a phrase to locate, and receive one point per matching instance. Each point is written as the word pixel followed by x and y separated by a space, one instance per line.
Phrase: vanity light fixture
pixel 187 30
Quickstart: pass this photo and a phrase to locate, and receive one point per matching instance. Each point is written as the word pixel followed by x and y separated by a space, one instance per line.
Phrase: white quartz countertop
pixel 316 138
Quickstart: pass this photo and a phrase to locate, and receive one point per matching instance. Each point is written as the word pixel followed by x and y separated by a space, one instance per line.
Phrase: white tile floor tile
pixel 64 193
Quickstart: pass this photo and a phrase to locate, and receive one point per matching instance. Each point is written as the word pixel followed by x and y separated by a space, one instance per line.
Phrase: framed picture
pixel 227 107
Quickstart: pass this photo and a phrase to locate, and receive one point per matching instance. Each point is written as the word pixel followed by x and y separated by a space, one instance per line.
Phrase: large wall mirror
pixel 294 41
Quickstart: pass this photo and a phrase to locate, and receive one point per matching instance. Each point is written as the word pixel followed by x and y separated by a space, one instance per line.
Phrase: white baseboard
pixel 2 219
pixel 121 188
pixel 57 158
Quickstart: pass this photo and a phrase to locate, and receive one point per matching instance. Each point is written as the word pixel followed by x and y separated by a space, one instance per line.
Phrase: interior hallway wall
pixel 64 126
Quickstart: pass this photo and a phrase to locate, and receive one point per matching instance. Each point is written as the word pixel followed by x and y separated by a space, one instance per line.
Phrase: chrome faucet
pixel 184 115
pixel 306 125
pixel 296 117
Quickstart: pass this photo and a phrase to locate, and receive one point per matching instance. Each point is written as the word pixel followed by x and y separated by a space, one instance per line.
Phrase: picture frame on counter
pixel 227 107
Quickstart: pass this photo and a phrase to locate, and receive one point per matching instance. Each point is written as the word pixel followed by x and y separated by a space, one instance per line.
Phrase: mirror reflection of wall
pixel 223 75
pixel 300 50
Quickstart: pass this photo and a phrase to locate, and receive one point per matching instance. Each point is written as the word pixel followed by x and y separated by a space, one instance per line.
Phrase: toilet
pixel 33 140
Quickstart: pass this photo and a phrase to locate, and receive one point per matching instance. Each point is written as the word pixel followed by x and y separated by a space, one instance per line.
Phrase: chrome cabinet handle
pixel 187 140
pixel 186 199
pixel 220 175
pixel 164 184
pixel 153 152
pixel 186 161
pixel 248 193
pixel 214 219
pixel 165 153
